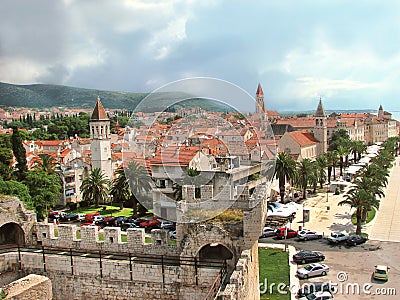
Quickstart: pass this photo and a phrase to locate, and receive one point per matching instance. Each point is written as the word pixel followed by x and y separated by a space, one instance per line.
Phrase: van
pixel 290 233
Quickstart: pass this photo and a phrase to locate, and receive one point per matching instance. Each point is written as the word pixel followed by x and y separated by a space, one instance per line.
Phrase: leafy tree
pixel 285 169
pixel 338 138
pixel 19 153
pixel 44 188
pixel 17 189
pixel 94 187
pixel 5 161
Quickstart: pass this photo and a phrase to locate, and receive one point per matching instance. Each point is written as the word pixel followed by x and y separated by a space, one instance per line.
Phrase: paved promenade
pixel 386 225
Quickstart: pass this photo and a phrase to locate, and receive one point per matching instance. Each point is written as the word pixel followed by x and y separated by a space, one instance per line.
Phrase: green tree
pixel 44 188
pixel 332 159
pixel 322 164
pixel 305 171
pixel 339 137
pixel 17 189
pixel 5 161
pixel 140 183
pixel 47 164
pixel 342 152
pixel 285 170
pixel 19 153
pixel 94 187
pixel 120 188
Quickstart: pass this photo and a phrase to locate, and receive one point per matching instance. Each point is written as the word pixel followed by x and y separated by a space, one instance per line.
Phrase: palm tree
pixel 342 152
pixel 94 187
pixel 140 183
pixel 305 171
pixel 332 158
pixel 322 164
pixel 120 188
pixel 357 148
pixel 285 169
pixel 47 164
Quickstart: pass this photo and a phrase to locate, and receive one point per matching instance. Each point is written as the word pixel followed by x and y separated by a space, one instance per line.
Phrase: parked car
pixel 268 231
pixel 312 287
pixel 323 295
pixel 89 217
pixel 53 215
pixel 290 233
pixel 172 234
pixel 306 235
pixel 138 221
pixel 381 272
pixel 81 217
pixel 312 270
pixel 151 223
pixel 355 239
pixel 121 220
pixel 69 217
pixel 109 220
pixel 98 219
pixel 126 226
pixel 338 237
pixel 91 224
pixel 167 224
pixel 306 256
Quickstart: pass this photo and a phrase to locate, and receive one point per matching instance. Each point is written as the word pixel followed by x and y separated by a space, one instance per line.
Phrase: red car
pixel 150 223
pixel 290 233
pixel 91 224
pixel 89 217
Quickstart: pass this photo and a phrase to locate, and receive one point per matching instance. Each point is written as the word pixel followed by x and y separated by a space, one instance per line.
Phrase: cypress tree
pixel 19 153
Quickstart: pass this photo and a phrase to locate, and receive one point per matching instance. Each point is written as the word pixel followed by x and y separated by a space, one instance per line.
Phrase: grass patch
pixel 105 210
pixel 370 217
pixel 274 268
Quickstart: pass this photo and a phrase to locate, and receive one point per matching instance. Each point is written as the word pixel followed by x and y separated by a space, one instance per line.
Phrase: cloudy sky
pixel 347 52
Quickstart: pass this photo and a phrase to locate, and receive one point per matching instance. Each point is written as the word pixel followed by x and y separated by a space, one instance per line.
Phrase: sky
pixel 346 52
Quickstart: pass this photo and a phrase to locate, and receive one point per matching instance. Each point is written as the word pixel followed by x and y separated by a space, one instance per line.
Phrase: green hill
pixel 48 95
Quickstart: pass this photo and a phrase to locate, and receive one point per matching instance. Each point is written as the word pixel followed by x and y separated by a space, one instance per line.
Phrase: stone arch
pixel 215 251
pixel 12 233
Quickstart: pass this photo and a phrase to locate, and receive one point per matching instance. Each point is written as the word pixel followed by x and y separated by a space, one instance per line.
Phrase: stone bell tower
pixel 320 129
pixel 100 140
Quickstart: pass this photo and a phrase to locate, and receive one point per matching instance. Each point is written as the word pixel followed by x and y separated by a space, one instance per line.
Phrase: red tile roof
pixel 303 138
pixel 175 156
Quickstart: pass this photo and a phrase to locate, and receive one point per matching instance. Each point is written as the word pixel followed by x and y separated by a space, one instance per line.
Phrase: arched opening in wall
pixel 12 233
pixel 215 251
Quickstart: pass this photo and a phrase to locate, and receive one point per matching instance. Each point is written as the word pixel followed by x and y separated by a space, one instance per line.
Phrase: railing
pixel 216 286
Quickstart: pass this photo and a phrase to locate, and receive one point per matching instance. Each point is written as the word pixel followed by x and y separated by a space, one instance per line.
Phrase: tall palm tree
pixel 94 187
pixel 342 152
pixel 357 148
pixel 285 169
pixel 332 158
pixel 120 188
pixel 305 171
pixel 140 183
pixel 322 164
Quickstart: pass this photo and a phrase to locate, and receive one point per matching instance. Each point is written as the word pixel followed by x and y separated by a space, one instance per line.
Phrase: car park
pixel 306 256
pixel 268 231
pixel 306 235
pixel 69 217
pixel 286 232
pixel 98 219
pixel 91 224
pixel 323 295
pixel 121 220
pixel 337 237
pixel 355 239
pixel 312 287
pixel 381 272
pixel 312 270
pixel 89 217
pixel 109 220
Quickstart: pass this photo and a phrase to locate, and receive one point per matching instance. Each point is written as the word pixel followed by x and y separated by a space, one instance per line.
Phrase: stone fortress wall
pixel 87 277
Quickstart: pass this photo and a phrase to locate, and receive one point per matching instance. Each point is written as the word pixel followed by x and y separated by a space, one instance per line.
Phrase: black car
pixel 355 239
pixel 306 256
pixel 312 287
pixel 121 220
pixel 69 217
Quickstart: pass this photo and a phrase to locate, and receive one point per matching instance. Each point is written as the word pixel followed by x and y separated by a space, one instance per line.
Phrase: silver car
pixel 312 270
pixel 306 235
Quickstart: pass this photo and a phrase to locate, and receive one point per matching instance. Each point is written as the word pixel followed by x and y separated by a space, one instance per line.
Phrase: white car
pixel 306 235
pixel 338 237
pixel 318 296
pixel 312 270
pixel 268 231
pixel 172 234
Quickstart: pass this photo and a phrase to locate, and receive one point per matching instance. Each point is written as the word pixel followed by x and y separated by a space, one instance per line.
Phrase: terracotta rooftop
pixel 175 156
pixel 303 137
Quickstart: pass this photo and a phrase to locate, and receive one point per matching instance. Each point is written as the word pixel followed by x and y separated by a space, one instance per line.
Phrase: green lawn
pixel 370 217
pixel 105 210
pixel 274 269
